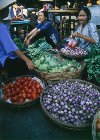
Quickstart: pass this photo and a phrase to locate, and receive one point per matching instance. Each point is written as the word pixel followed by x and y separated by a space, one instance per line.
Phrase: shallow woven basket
pixel 25 104
pixel 58 122
pixel 57 76
pixel 74 57
pixel 96 135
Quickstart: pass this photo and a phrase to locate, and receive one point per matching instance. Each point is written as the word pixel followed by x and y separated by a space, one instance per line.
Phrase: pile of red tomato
pixel 22 89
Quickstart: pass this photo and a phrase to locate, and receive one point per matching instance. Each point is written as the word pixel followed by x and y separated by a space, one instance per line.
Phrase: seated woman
pixel 45 29
pixel 13 61
pixel 86 33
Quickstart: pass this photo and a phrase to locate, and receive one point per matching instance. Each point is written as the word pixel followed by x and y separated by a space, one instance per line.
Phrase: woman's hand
pixel 30 65
pixel 76 34
pixel 87 38
pixel 25 40
pixel 28 42
pixel 28 62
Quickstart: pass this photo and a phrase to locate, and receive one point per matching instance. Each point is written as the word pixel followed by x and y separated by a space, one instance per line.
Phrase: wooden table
pixel 69 13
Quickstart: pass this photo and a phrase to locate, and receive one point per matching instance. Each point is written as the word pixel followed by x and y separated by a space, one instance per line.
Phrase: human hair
pixel 45 13
pixel 87 11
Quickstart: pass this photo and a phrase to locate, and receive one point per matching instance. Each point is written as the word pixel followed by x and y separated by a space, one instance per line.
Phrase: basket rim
pixel 69 126
pixel 72 56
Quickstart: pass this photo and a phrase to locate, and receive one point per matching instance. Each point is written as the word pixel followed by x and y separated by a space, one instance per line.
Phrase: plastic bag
pixel 72 43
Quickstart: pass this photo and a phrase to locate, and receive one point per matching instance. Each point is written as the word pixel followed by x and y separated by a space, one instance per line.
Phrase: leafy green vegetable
pixel 93 63
pixel 47 60
pixel 19 44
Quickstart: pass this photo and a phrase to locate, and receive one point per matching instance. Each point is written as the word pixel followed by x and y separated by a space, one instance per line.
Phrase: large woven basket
pixel 96 135
pixel 57 76
pixel 61 123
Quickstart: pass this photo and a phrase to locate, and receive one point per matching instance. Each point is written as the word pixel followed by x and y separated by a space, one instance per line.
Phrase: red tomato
pixel 26 89
pixel 13 93
pixel 23 95
pixel 11 85
pixel 17 90
pixel 33 95
pixel 21 87
pixel 17 84
pixel 14 99
pixel 8 90
pixel 38 85
pixel 25 83
pixel 29 91
pixel 39 90
pixel 28 96
pixel 29 85
pixel 18 80
pixel 35 82
pixel 21 100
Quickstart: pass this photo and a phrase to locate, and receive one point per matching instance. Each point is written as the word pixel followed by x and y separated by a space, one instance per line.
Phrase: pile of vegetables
pixel 47 60
pixel 22 90
pixel 71 49
pixel 93 63
pixel 75 52
pixel 19 44
pixel 71 102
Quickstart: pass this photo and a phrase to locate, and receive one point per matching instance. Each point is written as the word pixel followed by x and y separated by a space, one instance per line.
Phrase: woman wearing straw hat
pixel 12 60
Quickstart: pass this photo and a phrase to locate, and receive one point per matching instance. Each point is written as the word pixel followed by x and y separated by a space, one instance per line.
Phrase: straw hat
pixel 4 7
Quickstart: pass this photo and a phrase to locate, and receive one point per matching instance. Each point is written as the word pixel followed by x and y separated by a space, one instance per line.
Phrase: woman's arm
pixel 25 59
pixel 29 35
pixel 87 38
pixel 36 32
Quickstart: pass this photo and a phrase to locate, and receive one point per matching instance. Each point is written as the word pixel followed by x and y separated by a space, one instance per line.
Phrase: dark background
pixel 32 3
pixel 31 123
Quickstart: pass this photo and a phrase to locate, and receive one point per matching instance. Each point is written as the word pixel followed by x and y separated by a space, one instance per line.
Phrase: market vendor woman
pixel 86 33
pixel 44 29
pixel 12 60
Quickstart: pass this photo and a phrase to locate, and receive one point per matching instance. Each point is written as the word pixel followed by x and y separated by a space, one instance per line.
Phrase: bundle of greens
pixel 47 60
pixel 19 44
pixel 93 63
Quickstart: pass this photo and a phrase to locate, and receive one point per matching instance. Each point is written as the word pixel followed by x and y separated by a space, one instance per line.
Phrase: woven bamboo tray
pixel 96 135
pixel 52 77
pixel 24 104
pixel 61 123
pixel 73 56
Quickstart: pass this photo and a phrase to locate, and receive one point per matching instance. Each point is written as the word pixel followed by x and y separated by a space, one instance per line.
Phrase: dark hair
pixel 45 14
pixel 87 11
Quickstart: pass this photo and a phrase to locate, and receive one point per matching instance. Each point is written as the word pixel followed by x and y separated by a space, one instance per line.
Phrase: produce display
pixel 93 63
pixel 22 90
pixel 72 43
pixel 71 49
pixel 71 103
pixel 19 44
pixel 47 60
pixel 73 52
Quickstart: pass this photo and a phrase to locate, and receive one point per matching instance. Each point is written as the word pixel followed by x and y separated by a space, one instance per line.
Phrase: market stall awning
pixel 5 3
